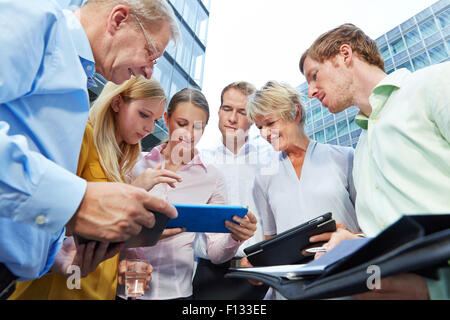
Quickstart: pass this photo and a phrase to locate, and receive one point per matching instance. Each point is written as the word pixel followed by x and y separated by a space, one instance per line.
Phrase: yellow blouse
pixel 100 284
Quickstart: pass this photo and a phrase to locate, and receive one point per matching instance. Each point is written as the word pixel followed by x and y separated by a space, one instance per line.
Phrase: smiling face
pixel 136 119
pixel 330 83
pixel 129 51
pixel 186 126
pixel 233 119
pixel 277 131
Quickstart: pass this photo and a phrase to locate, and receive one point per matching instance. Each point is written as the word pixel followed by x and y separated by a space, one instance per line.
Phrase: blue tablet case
pixel 205 218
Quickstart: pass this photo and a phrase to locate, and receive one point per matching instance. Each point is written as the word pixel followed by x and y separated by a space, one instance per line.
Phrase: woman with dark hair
pixel 173 257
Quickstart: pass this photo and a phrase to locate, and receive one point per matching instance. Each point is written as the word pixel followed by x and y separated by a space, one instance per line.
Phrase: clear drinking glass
pixel 135 275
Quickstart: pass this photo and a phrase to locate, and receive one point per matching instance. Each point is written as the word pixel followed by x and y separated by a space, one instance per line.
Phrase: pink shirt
pixel 173 258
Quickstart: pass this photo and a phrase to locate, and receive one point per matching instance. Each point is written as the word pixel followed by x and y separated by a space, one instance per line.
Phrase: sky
pixel 262 40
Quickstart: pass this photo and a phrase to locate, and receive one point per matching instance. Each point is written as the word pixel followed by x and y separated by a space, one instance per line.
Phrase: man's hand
pixel 114 212
pixel 245 227
pixel 85 256
pixel 406 286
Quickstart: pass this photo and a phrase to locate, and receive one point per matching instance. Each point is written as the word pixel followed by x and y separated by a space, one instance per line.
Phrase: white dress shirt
pixel 255 157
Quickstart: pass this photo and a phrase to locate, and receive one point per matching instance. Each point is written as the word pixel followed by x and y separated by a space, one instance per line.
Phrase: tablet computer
pixel 205 218
pixel 286 248
pixel 149 237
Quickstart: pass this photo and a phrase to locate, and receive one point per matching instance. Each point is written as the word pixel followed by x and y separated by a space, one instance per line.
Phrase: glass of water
pixel 135 276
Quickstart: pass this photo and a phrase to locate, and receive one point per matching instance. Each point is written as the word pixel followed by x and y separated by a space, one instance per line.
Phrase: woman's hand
pixel 246 264
pixel 86 256
pixel 151 177
pixel 244 228
pixel 333 238
pixel 167 233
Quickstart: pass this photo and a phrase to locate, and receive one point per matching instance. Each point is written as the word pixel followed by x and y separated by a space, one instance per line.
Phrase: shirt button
pixel 377 187
pixel 89 68
pixel 41 220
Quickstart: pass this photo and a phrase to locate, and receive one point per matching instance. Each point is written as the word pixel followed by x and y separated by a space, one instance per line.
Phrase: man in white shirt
pixel 240 158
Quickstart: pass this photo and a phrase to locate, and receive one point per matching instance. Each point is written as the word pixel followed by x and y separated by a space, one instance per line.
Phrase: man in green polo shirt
pixel 402 161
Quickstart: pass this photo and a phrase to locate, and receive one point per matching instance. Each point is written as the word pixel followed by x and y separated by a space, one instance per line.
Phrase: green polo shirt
pixel 402 161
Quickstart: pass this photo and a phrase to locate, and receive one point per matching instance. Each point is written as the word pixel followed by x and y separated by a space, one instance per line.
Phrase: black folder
pixel 286 247
pixel 414 244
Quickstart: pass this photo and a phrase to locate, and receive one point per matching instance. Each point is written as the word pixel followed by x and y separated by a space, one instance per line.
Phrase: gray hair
pixel 276 97
pixel 150 10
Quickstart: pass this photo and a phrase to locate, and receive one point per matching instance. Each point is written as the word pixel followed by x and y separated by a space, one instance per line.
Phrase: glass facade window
pixel 428 28
pixel 184 49
pixel 438 54
pixel 393 33
pixel 178 4
pixel 329 119
pixel 330 132
pixel 197 63
pixel 353 125
pixel 178 82
pixel 344 140
pixel 406 65
pixel 416 48
pixel 316 113
pixel 342 127
pixel 308 120
pixel 444 18
pixel 163 73
pixel 190 12
pixel 407 24
pixel 421 61
pixel 319 136
pixel 201 29
pixel 412 37
pixel 397 46
pixel 385 52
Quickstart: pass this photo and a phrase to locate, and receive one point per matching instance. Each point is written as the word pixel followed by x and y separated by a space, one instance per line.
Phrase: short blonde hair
pixel 151 11
pixel 327 46
pixel 275 97
pixel 118 160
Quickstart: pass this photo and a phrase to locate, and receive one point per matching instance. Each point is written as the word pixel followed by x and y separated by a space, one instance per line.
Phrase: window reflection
pixel 397 46
pixel 444 18
pixel 319 136
pixel 438 54
pixel 412 37
pixel 421 61
pixel 428 28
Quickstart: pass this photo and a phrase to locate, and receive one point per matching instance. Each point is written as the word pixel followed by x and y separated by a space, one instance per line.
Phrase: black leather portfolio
pixel 286 247
pixel 414 244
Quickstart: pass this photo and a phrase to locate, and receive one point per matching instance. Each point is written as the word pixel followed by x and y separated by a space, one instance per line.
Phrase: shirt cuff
pixel 54 201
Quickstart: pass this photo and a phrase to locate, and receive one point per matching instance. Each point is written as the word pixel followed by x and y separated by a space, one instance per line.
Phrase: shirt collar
pixel 156 156
pixel 244 150
pixel 381 94
pixel 82 46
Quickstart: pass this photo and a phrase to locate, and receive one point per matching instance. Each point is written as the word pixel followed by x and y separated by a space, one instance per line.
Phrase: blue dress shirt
pixel 46 64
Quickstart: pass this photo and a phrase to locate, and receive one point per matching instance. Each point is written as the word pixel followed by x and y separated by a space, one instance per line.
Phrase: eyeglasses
pixel 156 54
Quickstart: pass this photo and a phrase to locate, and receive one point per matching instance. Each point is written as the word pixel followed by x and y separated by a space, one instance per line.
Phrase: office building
pixel 418 42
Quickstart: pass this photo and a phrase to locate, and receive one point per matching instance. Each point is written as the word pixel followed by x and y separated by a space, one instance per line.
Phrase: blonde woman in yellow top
pixel 119 119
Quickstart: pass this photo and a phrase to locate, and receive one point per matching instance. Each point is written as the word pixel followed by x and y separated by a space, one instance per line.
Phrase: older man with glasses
pixel 49 56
